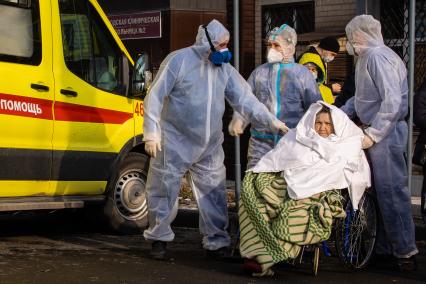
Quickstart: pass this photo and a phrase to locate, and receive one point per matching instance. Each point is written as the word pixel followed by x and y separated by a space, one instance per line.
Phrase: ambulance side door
pixel 93 115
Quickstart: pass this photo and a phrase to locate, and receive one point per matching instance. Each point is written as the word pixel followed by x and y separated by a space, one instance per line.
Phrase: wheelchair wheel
pixel 355 236
pixel 315 262
pixel 234 233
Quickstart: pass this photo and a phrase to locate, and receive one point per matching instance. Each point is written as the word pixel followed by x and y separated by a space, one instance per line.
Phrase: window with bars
pixel 394 20
pixel 299 15
pixel 421 20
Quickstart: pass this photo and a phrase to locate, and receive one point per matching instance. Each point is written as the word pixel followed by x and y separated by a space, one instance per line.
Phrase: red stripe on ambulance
pixel 42 109
pixel 79 113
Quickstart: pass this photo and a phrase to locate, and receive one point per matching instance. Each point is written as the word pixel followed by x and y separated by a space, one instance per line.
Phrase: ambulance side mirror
pixel 142 77
pixel 21 3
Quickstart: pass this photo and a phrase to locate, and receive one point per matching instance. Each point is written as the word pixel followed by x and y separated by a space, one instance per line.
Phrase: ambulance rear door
pixel 26 97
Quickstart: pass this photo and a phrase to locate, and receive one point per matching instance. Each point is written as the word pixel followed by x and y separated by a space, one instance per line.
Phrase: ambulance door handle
pixel 39 87
pixel 69 93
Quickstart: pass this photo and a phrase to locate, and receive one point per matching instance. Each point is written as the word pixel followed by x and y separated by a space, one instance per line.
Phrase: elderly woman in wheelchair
pixel 290 198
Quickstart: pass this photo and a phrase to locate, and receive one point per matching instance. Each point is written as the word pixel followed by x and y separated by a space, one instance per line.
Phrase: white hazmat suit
pixel 381 103
pixel 286 88
pixel 183 114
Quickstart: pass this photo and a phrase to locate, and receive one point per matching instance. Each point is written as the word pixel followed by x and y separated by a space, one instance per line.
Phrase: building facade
pixel 312 19
pixel 179 23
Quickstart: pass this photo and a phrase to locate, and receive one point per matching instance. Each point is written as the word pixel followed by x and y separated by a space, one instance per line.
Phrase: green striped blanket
pixel 273 226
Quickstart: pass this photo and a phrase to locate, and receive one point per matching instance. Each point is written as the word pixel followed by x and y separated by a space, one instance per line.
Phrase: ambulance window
pixel 90 51
pixel 20 34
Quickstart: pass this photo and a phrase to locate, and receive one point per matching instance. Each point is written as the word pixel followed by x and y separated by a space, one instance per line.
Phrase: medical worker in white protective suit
pixel 183 132
pixel 381 103
pixel 286 88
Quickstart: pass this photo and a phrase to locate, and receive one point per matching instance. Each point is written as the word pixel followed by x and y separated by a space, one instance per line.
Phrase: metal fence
pixel 394 19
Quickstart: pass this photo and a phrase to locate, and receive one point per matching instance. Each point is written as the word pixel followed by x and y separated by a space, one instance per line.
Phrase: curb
pixel 188 217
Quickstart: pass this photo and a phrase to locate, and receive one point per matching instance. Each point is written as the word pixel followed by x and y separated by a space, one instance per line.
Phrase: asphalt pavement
pixel 63 247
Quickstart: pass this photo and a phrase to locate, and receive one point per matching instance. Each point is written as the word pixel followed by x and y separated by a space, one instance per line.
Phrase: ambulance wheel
pixel 126 208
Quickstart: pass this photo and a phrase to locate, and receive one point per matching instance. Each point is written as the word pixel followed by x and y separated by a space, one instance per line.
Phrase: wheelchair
pixel 354 236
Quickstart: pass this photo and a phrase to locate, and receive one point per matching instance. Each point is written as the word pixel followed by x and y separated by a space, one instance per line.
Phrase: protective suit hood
pixel 217 32
pixel 364 33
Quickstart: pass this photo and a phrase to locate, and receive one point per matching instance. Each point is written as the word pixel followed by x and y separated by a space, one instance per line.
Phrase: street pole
pixel 411 30
pixel 237 66
pixel 361 7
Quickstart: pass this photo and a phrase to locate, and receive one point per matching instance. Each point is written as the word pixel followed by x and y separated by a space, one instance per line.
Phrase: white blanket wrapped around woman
pixel 312 164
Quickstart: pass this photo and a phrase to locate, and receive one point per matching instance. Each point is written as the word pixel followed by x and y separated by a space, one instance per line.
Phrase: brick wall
pixel 201 5
pixel 184 25
pixel 247 37
pixel 258 32
pixel 333 15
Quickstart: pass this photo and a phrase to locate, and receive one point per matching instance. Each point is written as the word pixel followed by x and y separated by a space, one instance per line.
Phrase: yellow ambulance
pixel 71 112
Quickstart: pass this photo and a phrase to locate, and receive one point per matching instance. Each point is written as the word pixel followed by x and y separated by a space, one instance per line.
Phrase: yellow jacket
pixel 310 57
pixel 326 93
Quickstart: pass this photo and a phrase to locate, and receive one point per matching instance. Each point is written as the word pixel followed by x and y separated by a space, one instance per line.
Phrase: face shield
pixel 282 43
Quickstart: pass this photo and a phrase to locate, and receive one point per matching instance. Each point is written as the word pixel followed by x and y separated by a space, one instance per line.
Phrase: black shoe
pixel 218 253
pixel 158 250
pixel 382 261
pixel 407 264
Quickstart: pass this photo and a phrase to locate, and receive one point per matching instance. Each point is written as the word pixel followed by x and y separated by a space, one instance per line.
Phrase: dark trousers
pixel 423 196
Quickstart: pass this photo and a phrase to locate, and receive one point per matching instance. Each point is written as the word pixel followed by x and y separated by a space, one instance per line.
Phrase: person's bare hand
pixel 336 88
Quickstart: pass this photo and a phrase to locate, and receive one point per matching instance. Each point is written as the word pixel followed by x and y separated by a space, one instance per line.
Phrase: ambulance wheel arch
pixel 125 208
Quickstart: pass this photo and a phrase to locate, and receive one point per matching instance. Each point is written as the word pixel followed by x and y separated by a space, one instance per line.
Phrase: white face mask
pixel 288 52
pixel 314 74
pixel 350 48
pixel 328 59
pixel 274 56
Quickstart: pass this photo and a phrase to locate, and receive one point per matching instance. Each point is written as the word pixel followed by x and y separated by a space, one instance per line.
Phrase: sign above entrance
pixel 137 25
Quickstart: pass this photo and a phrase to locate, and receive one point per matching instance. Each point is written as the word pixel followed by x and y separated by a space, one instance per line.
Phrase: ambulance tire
pixel 125 209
